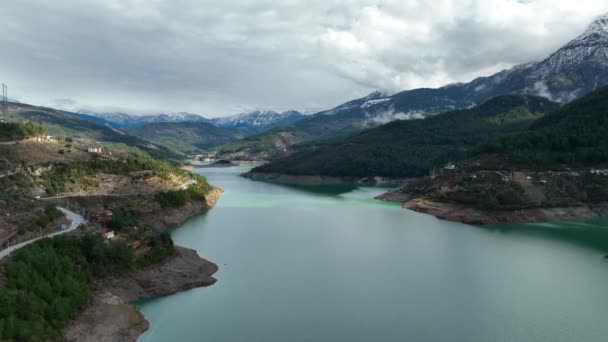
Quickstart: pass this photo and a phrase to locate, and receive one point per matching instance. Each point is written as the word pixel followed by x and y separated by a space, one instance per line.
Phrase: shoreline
pixel 111 314
pixel 308 180
pixel 468 215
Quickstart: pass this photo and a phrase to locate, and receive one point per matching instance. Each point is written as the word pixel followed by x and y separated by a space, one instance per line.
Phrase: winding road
pixel 75 221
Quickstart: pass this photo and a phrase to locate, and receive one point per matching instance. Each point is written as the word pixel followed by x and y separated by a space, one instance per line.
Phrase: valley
pixel 401 215
pixel 128 198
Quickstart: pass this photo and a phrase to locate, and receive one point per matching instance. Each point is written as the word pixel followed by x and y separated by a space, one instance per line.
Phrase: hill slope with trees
pixel 188 137
pixel 412 148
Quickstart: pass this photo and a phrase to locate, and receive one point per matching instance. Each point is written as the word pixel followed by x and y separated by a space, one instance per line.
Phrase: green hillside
pixel 11 131
pixel 64 125
pixel 575 135
pixel 411 148
pixel 188 137
pixel 312 131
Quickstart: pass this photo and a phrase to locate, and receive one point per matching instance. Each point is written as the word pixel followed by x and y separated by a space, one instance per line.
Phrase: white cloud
pixel 223 57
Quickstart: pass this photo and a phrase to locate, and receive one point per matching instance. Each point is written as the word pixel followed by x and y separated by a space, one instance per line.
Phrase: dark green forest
pixel 49 282
pixel 576 135
pixel 412 148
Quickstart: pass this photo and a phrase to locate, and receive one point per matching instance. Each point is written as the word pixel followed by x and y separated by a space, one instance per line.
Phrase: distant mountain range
pixel 256 122
pixel 575 70
pixel 124 121
pixel 70 125
pixel 186 138
pixel 186 133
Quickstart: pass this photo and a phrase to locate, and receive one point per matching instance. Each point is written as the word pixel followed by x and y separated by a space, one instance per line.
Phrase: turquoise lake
pixel 332 264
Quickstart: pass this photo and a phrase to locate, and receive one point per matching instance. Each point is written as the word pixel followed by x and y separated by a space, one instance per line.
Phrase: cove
pixel 332 264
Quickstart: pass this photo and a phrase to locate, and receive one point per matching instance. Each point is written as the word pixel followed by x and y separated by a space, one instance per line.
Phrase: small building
pixel 108 234
pixel 94 150
pixel 450 167
pixel 49 137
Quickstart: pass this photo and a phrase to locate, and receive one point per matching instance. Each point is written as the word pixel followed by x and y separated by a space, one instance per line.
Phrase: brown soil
pixel 171 217
pixel 110 317
pixel 468 215
pixel 394 196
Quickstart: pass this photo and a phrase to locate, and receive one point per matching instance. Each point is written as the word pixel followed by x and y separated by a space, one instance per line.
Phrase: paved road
pixel 75 221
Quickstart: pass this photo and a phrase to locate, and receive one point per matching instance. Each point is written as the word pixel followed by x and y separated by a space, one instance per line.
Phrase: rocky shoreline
pixel 172 217
pixel 468 215
pixel 110 316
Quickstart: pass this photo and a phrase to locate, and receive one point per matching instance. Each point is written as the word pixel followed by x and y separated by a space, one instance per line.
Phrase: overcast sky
pixel 219 57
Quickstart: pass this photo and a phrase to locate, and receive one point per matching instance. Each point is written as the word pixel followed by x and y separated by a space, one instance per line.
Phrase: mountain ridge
pixel 257 121
pixel 411 148
pixel 579 67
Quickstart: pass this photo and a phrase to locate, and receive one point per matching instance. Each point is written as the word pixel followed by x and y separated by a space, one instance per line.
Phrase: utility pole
pixel 4 102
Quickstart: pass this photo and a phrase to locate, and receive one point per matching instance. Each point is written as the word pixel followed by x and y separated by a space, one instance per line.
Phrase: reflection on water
pixel 591 234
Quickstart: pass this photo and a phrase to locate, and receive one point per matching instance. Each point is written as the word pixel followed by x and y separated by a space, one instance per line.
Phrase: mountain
pixel 188 137
pixel 258 121
pixel 321 127
pixel 574 136
pixel 69 124
pixel 576 69
pixel 126 121
pixel 412 148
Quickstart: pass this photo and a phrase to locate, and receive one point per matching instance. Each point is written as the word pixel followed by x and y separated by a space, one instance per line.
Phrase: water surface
pixel 305 264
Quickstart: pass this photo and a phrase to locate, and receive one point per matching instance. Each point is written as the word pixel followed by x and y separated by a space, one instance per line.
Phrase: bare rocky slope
pixel 110 316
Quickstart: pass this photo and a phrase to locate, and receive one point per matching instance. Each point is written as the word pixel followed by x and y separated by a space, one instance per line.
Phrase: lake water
pixel 332 264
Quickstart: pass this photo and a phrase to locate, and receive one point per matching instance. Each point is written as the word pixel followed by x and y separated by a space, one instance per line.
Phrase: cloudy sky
pixel 221 57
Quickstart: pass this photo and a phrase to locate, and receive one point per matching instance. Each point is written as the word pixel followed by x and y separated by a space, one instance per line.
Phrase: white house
pixel 94 149
pixel 108 234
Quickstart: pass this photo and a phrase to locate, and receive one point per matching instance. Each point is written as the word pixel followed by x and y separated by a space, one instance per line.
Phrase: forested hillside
pixel 188 137
pixel 412 148
pixel 575 135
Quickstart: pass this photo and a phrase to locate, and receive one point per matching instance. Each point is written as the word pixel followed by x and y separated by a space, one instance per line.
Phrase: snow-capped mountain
pixel 364 102
pixel 125 121
pixel 259 120
pixel 255 122
pixel 574 70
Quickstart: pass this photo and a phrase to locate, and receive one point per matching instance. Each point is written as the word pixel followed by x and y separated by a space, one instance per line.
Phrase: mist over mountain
pixel 574 70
